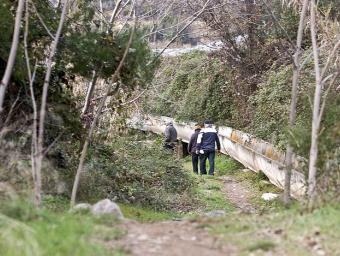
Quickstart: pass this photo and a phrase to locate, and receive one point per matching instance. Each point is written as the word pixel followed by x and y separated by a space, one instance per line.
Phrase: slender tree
pixel 31 78
pixel 13 53
pixel 318 105
pixel 313 154
pixel 292 113
pixel 107 92
pixel 89 92
pixel 40 138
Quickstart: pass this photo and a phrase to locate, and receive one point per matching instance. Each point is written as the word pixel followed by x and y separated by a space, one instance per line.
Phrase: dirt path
pixel 172 238
pixel 238 194
pixel 175 238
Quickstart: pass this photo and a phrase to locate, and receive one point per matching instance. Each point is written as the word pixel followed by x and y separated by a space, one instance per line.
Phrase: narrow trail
pixel 172 238
pixel 238 194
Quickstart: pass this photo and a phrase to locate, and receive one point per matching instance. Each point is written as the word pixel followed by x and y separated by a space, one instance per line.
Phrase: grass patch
pixel 225 165
pixel 257 182
pixel 27 231
pixel 144 214
pixel 264 245
pixel 286 232
pixel 209 191
pixel 260 184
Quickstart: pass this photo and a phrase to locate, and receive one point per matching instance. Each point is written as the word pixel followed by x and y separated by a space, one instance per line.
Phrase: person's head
pixel 208 124
pixel 198 126
pixel 170 123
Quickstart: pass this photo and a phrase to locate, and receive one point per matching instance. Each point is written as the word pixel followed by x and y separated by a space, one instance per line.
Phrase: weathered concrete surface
pixel 254 154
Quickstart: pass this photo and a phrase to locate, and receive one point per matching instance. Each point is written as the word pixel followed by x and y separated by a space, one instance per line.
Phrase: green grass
pixel 210 188
pixel 285 232
pixel 144 214
pixel 225 165
pixel 26 231
pixel 209 191
pixel 257 182
pixel 264 245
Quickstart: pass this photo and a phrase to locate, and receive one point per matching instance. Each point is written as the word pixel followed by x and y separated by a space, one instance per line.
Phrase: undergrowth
pixel 209 191
pixel 210 188
pixel 133 170
pixel 144 214
pixel 27 231
pixel 287 232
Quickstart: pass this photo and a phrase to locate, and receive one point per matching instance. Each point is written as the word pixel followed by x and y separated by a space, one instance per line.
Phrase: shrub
pixel 199 89
pixel 138 172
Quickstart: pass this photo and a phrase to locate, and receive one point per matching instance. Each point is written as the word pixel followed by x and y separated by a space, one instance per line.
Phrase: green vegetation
pixel 133 170
pixel 144 214
pixel 246 84
pixel 287 232
pixel 204 88
pixel 210 189
pixel 200 84
pixel 226 165
pixel 209 192
pixel 27 231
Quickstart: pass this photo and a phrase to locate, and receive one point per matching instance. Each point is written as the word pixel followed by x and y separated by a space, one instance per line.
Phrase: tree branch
pixel 13 53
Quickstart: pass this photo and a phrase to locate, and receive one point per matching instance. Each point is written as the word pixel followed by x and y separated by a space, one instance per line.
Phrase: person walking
pixel 192 148
pixel 207 141
pixel 170 136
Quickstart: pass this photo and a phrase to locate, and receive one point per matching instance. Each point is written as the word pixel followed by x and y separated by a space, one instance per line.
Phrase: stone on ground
pixel 269 196
pixel 83 207
pixel 215 214
pixel 106 206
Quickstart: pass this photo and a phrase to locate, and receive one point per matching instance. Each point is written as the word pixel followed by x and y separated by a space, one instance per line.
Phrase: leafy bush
pixel 138 172
pixel 271 107
pixel 199 89
pixel 270 122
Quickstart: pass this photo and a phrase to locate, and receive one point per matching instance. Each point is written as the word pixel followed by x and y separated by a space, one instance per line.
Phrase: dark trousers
pixel 210 155
pixel 169 146
pixel 194 160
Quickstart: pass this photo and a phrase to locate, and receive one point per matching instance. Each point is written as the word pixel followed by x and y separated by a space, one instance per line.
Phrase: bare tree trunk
pixel 31 78
pixel 292 114
pixel 89 92
pixel 113 15
pixel 313 154
pixel 40 139
pixel 94 122
pixel 3 128
pixel 12 55
pixel 101 14
pixel 250 12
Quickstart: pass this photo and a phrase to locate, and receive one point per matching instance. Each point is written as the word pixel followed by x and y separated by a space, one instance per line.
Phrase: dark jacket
pixel 207 140
pixel 193 142
pixel 170 133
